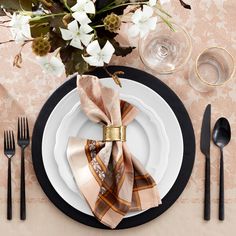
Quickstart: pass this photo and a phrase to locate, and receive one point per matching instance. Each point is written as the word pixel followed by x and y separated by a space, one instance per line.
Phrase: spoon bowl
pixel 221 132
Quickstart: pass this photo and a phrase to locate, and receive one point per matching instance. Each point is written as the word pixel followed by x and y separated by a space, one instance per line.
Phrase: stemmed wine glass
pixel 166 49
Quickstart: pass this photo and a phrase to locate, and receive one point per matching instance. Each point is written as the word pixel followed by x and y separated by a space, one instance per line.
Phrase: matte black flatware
pixel 23 141
pixel 221 137
pixel 205 149
pixel 9 151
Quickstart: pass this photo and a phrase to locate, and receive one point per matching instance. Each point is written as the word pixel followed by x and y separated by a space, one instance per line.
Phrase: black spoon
pixel 221 137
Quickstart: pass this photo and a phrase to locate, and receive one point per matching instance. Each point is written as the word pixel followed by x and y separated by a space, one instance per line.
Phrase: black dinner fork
pixel 9 151
pixel 23 141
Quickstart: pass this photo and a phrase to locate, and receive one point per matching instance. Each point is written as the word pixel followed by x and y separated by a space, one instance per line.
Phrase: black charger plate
pixel 188 156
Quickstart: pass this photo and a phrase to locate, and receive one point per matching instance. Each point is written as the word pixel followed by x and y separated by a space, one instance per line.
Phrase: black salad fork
pixel 23 141
pixel 9 151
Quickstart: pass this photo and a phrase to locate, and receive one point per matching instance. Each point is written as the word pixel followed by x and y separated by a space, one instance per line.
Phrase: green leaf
pixel 17 5
pixel 73 61
pixel 56 41
pixel 81 66
pixel 101 32
pixel 56 22
pixel 119 50
pixel 39 28
pixel 102 4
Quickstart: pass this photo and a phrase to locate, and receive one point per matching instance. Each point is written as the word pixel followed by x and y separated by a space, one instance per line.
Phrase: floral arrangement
pixel 77 35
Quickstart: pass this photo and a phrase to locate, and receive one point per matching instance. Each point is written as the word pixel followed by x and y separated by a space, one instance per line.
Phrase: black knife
pixel 205 149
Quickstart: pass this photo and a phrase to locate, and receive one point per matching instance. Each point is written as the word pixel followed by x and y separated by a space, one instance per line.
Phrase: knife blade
pixel 205 149
pixel 206 131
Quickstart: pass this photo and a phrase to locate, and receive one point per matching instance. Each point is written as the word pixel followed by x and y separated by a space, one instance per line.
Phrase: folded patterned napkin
pixel 111 179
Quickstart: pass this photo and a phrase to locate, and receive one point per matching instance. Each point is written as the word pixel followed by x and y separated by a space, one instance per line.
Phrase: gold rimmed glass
pixel 165 50
pixel 213 68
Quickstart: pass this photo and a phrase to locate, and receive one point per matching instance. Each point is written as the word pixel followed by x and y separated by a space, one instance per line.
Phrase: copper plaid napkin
pixel 111 179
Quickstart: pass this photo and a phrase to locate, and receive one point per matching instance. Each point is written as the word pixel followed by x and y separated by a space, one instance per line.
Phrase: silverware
pixel 205 149
pixel 9 151
pixel 221 137
pixel 23 141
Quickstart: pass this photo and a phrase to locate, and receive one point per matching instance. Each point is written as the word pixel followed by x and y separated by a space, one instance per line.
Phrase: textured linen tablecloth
pixel 24 91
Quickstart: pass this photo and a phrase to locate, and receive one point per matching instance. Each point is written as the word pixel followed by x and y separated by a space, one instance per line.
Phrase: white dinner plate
pixel 146 139
pixel 145 94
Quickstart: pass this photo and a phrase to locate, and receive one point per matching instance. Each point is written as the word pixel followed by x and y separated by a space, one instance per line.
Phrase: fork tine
pixel 13 141
pixel 18 129
pixel 5 141
pixel 24 130
pixel 24 127
pixel 10 140
pixel 27 129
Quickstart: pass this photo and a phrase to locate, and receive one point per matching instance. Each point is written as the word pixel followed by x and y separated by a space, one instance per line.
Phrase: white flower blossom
pixel 20 27
pixel 81 9
pixel 77 35
pixel 152 3
pixel 99 56
pixel 143 22
pixel 164 1
pixel 51 65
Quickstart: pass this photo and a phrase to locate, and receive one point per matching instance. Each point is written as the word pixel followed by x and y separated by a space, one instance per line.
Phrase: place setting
pixel 113 147
pixel 170 130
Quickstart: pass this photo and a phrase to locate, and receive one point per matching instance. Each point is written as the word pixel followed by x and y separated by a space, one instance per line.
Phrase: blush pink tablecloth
pixel 24 91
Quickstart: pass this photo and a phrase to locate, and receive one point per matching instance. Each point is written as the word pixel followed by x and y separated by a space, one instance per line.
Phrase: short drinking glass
pixel 213 68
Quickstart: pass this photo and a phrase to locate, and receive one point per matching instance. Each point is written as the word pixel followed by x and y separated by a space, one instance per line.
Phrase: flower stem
pixel 9 41
pixel 98 26
pixel 123 4
pixel 163 11
pixel 5 26
pixel 4 21
pixel 106 7
pixel 36 18
pixel 168 23
pixel 67 6
pixel 18 58
pixel 114 76
pixel 12 40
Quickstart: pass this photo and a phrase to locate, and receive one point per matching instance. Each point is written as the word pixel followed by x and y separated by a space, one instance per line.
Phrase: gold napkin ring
pixel 114 133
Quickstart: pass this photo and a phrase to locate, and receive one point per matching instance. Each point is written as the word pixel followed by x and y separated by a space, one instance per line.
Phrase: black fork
pixel 23 141
pixel 9 151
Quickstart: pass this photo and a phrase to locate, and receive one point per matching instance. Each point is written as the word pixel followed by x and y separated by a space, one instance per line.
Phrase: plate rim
pixel 188 155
